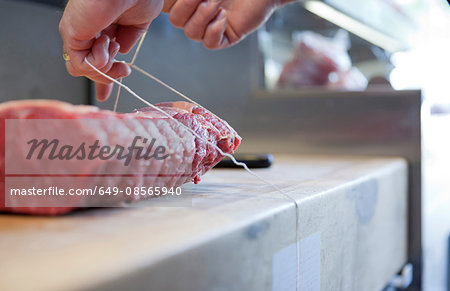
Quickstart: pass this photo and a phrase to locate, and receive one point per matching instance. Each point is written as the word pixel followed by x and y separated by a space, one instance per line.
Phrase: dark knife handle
pixel 254 161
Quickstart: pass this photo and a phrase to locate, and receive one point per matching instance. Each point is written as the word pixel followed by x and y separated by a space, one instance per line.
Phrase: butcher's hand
pixel 219 23
pixel 98 30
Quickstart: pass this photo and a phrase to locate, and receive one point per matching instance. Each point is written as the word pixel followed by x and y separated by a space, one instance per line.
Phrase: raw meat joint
pixel 45 144
pixel 320 61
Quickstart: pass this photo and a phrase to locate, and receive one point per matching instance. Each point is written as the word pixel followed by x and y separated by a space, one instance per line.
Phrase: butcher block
pixel 346 231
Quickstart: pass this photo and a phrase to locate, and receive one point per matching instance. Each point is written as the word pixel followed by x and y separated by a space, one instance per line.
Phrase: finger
pixel 232 36
pixel 113 50
pixel 118 70
pixel 76 60
pixel 99 55
pixel 84 69
pixel 181 11
pixel 168 5
pixel 128 36
pixel 77 28
pixel 72 71
pixel 215 37
pixel 196 26
pixel 103 91
pixel 70 37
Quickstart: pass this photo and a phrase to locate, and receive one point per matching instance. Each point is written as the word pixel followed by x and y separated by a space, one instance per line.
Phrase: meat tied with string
pixel 190 156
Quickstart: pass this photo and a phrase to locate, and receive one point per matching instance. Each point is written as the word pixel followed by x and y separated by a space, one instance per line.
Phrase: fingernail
pixel 117 49
pixel 100 98
pixel 114 47
pixel 224 42
pixel 107 41
pixel 127 71
pixel 222 15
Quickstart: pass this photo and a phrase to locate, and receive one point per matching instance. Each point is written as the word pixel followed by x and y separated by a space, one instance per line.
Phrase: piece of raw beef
pixel 182 158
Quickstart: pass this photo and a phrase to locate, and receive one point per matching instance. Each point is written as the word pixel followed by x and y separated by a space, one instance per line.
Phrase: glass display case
pixel 321 45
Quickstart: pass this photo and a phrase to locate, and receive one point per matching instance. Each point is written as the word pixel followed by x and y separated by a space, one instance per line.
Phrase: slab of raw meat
pixel 190 157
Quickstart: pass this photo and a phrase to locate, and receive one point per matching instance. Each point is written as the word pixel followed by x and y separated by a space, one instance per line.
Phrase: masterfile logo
pixel 84 147
pixel 96 163
pixel 45 149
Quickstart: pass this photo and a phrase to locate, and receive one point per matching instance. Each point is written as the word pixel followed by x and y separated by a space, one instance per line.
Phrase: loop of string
pixel 175 91
pixel 241 164
pixel 116 101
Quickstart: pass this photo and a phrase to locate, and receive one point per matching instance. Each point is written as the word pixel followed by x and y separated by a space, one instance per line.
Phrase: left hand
pixel 99 29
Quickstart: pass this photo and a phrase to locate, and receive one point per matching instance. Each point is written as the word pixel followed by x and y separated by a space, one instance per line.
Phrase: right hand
pixel 219 23
pixel 98 30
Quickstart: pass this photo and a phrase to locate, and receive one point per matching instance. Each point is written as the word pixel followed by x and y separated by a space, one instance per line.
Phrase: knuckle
pixel 69 33
pixel 73 72
pixel 102 64
pixel 99 63
pixel 204 9
pixel 61 27
pixel 105 69
pixel 76 71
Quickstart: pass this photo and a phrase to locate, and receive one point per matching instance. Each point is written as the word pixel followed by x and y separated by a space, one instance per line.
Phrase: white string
pixel 116 102
pixel 243 165
pixel 174 91
pixel 188 128
pixel 141 41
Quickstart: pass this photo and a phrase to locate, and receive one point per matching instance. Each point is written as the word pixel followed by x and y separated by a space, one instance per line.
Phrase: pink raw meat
pixel 191 156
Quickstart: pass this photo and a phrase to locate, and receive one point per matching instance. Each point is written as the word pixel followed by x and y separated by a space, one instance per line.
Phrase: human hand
pixel 219 23
pixel 98 30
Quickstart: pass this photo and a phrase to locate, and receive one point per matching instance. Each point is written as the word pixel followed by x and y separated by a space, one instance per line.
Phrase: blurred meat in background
pixel 321 61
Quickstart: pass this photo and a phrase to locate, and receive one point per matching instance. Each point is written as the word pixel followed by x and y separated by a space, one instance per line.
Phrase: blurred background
pixel 306 52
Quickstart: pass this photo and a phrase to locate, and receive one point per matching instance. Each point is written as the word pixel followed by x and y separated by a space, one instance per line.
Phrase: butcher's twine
pixel 116 101
pixel 186 127
pixel 240 164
